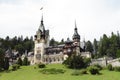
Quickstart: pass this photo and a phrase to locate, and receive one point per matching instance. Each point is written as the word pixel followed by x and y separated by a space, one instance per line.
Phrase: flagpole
pixel 41 9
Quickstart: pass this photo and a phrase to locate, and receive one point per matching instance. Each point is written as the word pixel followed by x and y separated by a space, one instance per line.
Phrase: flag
pixel 41 8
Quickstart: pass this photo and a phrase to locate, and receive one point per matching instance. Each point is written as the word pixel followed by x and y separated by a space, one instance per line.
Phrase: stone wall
pixel 114 62
pixel 105 61
pixel 54 58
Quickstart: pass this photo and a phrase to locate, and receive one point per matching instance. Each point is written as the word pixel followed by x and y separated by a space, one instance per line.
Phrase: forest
pixel 107 45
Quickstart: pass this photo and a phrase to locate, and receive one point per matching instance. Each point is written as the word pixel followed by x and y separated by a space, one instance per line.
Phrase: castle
pixel 55 54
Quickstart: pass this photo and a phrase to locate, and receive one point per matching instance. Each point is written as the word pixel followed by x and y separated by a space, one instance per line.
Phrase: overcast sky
pixel 93 17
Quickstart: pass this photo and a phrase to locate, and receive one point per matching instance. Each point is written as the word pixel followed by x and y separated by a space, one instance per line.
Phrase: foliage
pixel 87 61
pixel 28 45
pixel 83 71
pixel 6 63
pixel 89 46
pixel 93 70
pixel 52 71
pixel 61 42
pixel 1 58
pixel 0 69
pixel 103 45
pixel 95 46
pixel 15 67
pixel 19 48
pixel 118 53
pixel 17 43
pixel 29 73
pixel 75 62
pixel 109 45
pixel 117 68
pixel 75 73
pixel 19 61
pixel 98 66
pixel 79 72
pixel 25 61
pixel 109 67
pixel 41 65
pixel 53 42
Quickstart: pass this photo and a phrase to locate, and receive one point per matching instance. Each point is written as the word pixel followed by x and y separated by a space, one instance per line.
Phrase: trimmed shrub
pixel 76 73
pixel 79 72
pixel 52 71
pixel 76 62
pixel 93 70
pixel 83 71
pixel 0 69
pixel 98 66
pixel 19 61
pixel 109 67
pixel 117 68
pixel 41 65
pixel 87 62
pixel 25 61
pixel 15 67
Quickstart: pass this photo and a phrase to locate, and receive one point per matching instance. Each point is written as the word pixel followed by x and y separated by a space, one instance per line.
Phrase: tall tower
pixel 76 39
pixel 41 42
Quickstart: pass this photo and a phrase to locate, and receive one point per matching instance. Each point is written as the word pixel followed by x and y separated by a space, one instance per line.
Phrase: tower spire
pixel 75 24
pixel 76 35
pixel 41 27
pixel 42 18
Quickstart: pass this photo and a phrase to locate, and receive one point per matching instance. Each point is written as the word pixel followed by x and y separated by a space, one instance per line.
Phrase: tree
pixel 1 58
pixel 53 42
pixel 118 40
pixel 19 61
pixel 25 61
pixel 26 39
pixel 89 46
pixel 7 38
pixel 109 46
pixel 113 45
pixel 95 46
pixel 28 45
pixel 103 45
pixel 76 62
pixel 6 63
pixel 118 53
pixel 19 48
pixel 14 41
pixel 62 41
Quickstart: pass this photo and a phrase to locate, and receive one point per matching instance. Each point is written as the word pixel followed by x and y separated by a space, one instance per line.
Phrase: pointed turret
pixel 41 27
pixel 76 35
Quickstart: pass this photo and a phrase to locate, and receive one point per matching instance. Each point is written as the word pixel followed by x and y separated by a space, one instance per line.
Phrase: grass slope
pixel 29 73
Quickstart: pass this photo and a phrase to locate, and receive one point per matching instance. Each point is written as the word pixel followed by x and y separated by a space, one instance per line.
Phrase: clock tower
pixel 41 42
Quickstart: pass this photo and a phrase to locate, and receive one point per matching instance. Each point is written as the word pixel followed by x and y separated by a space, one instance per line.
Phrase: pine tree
pixel 19 61
pixel 6 63
pixel 1 59
pixel 25 61
pixel 89 46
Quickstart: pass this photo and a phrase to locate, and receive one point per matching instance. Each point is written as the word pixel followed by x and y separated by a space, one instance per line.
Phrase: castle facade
pixel 55 54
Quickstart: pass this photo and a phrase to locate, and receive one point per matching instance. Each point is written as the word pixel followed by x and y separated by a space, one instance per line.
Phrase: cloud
pixel 93 17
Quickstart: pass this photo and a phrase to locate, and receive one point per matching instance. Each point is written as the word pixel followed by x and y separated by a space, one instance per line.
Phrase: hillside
pixel 32 73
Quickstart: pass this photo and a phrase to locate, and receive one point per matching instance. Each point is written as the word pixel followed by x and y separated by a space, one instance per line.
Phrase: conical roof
pixel 41 27
pixel 76 35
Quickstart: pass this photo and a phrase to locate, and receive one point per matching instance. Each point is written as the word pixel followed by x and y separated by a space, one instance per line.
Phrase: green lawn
pixel 29 73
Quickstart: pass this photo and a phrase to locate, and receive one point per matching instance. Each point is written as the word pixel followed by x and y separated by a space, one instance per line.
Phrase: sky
pixel 93 18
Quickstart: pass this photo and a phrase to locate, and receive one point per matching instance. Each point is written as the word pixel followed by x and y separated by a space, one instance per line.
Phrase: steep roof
pixel 41 27
pixel 76 35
